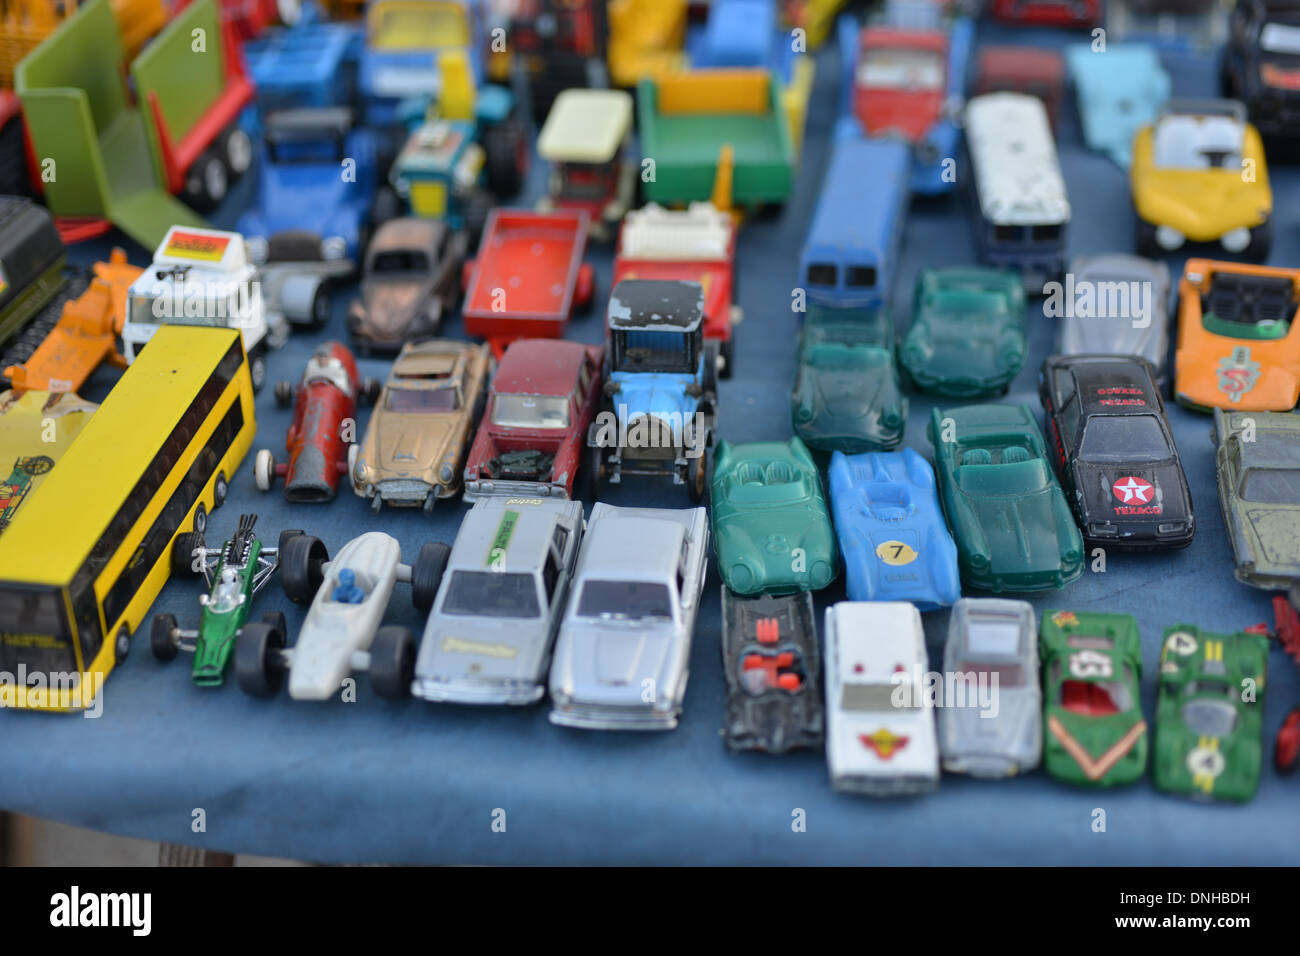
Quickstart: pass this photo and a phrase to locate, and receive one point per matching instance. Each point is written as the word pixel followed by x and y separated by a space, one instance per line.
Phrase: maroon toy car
pixel 1050 13
pixel 1034 71
pixel 317 446
pixel 534 429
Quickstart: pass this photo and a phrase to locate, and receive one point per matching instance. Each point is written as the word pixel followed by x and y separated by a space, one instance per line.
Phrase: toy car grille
pixel 293 246
pixel 1250 300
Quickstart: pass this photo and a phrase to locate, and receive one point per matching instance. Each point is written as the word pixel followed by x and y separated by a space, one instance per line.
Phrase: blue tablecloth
pixel 413 782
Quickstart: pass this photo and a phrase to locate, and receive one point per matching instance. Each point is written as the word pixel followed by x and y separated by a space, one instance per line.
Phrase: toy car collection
pixel 771 528
pixel 891 530
pixel 585 139
pixel 1115 453
pixel 992 642
pixel 493 623
pixel 1094 732
pixel 772 666
pixel 1115 304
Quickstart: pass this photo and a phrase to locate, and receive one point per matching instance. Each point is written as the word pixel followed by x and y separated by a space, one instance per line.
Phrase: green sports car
pixel 771 527
pixel 1013 527
pixel 1094 733
pixel 1208 713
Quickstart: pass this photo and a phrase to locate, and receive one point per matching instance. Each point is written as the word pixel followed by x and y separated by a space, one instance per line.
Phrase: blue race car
pixel 891 530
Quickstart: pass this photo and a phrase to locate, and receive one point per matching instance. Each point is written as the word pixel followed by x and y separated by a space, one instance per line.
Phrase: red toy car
pixel 901 81
pixel 316 443
pixel 1049 13
pixel 534 429
pixel 1023 69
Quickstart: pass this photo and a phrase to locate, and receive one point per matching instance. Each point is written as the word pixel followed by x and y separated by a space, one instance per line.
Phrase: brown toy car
pixel 1023 69
pixel 422 424
pixel 411 279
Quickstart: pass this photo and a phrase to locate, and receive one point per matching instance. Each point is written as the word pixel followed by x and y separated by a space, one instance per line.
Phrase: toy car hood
pixel 409 444
pixel 1133 495
pixel 484 651
pixel 391 305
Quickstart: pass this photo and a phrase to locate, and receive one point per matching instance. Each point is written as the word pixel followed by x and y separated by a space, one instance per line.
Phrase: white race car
pixel 341 632
pixel 880 731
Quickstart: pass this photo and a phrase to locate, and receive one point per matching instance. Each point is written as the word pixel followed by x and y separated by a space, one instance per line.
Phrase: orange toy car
pixel 1238 337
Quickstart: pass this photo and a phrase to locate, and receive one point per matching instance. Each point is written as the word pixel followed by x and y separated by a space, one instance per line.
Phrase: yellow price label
pixel 896 553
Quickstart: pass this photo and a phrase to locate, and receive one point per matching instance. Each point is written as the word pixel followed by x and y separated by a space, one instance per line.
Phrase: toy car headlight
pixel 979 560
pixel 446 473
pixel 820 574
pixel 742 576
pixel 258 249
pixel 804 412
pixel 333 248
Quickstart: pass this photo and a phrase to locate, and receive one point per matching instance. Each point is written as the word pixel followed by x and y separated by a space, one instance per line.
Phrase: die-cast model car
pixel 995 728
pixel 1114 304
pixel 421 426
pixel 1238 339
pixel 967 337
pixel 1257 455
pixel 891 530
pixel 1209 713
pixel 234 573
pixel 773 670
pixel 1120 90
pixel 489 637
pixel 533 436
pixel 1013 527
pixel 1260 66
pixel 623 653
pixel 341 631
pixel 586 140
pixel 771 528
pixel 1199 174
pixel 1094 732
pixel 1115 453
pixel 880 729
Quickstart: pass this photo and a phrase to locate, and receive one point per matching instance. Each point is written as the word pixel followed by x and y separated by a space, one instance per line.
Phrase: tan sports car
pixel 422 424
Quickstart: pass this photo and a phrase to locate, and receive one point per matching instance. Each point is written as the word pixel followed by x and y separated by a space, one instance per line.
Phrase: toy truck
pixel 310 65
pixel 203 277
pixel 586 141
pixel 115 158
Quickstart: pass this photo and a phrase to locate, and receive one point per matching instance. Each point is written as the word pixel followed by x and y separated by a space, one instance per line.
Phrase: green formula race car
pixel 1094 732
pixel 235 572
pixel 1209 713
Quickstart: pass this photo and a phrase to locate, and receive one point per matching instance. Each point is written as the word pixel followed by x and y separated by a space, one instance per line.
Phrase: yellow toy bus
pixel 83 560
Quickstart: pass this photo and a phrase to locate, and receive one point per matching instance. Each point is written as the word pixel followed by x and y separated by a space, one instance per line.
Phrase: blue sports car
pixel 891 530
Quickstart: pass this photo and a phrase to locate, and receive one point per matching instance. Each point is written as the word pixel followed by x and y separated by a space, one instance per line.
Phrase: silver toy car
pixel 489 638
pixel 992 658
pixel 1115 304
pixel 622 657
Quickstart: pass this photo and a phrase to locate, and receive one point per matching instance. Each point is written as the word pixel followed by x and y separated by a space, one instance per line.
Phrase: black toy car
pixel 1114 452
pixel 773 671
pixel 1261 64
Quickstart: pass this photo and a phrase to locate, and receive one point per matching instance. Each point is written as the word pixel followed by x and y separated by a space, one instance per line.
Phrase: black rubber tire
pixel 257 370
pixel 504 163
pixel 392 662
pixel 284 393
pixel 697 477
pixel 122 645
pixel 726 349
pixel 426 574
pixel 236 151
pixel 1144 239
pixel 200 518
pixel 320 307
pixel 257 668
pixel 275 620
pixel 13 160
pixel 220 488
pixel 284 537
pixel 300 567
pixel 1261 242
pixel 593 473
pixel 385 206
pixel 207 182
pixel 183 549
pixel 160 637
pixel 478 203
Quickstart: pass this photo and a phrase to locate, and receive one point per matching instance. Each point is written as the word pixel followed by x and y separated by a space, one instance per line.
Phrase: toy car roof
pixel 656 305
pixel 288 125
pixel 431 361
pixel 875 639
pixel 1013 153
pixel 608 551
pixel 701 231
pixel 1094 374
pixel 506 534
pixel 539 367
pixel 586 126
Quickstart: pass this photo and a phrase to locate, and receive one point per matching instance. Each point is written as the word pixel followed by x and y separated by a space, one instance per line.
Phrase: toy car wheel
pixel 237 150
pixel 275 620
pixel 392 662
pixel 184 551
pixel 385 206
pixel 593 472
pixel 264 470
pixel 207 181
pixel 506 158
pixel 1295 595
pixel 1261 241
pixel 257 660
pixel 1145 240
pixel 301 571
pixel 284 393
pixel 697 476
pixel 1286 752
pixel 257 370
pixel 478 204
pixel 220 487
pixel 284 541
pixel 726 363
pixel 200 518
pixel 122 646
pixel 426 574
pixel 160 637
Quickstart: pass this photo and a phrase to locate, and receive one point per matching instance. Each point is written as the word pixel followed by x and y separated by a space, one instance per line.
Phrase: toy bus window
pixel 1008 233
pixel 862 277
pixel 1271 486
pixel 1126 438
pixel 421 400
pixel 1050 233
pixel 1210 716
pixel 822 273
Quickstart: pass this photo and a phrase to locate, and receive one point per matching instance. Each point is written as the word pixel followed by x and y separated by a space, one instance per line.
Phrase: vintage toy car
pixel 623 653
pixel 553 46
pixel 1093 727
pixel 489 637
pixel 420 429
pixel 234 573
pixel 660 387
pixel 880 732
pixel 26 421
pixel 1049 13
pixel 1209 729
pixel 891 530
pixel 1013 527
pixel 772 666
pixel 992 643
pixel 1114 304
pixel 1037 71
pixel 533 435
pixel 847 395
pixel 341 631
pixel 411 279
pixel 1257 455
pixel 967 337
pixel 1238 338
pixel 1115 452
pixel 1199 174
pixel 1120 90
pixel 586 140
pixel 328 396
pixel 1259 63
pixel 771 528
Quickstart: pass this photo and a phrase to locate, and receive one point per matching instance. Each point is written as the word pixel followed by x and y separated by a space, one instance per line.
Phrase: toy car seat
pixel 977 456
pixel 346 591
pixel 1014 454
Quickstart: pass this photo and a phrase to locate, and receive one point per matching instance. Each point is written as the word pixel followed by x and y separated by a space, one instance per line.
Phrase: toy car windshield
pixel 421 400
pixel 530 411
pixel 632 600
pixel 491 594
pixel 1124 438
pixel 1212 715
pixel 1270 486
pixel 399 262
pixel 1200 135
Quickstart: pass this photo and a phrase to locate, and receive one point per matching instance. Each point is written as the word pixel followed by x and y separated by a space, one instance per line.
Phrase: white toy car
pixel 341 632
pixel 880 732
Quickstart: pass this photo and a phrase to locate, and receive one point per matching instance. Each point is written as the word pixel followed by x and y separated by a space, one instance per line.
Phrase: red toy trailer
pixel 696 244
pixel 528 277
